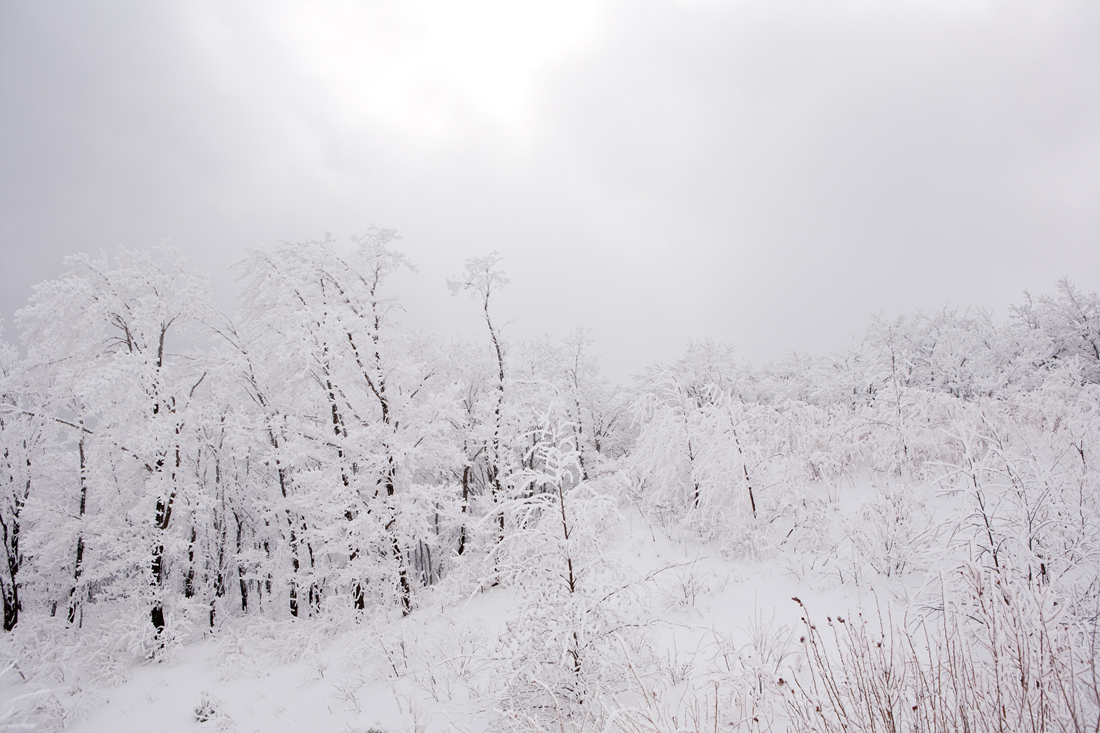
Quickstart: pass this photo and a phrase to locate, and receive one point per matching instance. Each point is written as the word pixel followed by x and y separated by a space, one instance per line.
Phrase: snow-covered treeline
pixel 171 469
pixel 311 452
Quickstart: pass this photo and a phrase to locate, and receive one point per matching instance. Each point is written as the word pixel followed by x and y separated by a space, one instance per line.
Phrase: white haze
pixel 769 174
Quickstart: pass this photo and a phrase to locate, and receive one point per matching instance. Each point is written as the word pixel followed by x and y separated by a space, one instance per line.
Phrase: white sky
pixel 766 173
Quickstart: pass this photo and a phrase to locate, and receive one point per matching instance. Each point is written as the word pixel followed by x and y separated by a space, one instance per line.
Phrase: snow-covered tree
pixel 482 278
pixel 20 436
pixel 101 358
pixel 357 424
pixel 1069 325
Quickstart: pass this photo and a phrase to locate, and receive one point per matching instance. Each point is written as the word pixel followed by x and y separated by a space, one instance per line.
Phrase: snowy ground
pixel 708 620
pixel 704 639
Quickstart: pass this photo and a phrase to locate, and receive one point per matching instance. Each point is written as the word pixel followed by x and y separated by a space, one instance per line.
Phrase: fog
pixel 767 174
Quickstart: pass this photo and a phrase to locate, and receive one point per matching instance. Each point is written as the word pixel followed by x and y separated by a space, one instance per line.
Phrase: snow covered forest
pixel 410 531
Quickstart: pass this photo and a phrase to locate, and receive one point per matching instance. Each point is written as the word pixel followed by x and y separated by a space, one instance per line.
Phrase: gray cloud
pixel 767 173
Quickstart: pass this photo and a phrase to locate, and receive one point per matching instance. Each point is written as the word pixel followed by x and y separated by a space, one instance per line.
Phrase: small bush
pixel 1001 656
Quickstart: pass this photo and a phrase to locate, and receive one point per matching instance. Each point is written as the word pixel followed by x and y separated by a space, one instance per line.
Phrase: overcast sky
pixel 767 173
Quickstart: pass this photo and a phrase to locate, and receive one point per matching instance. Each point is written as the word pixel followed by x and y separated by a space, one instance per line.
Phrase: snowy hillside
pixel 311 517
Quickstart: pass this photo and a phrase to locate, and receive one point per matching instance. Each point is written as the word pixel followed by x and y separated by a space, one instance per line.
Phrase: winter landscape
pixel 714 366
pixel 312 517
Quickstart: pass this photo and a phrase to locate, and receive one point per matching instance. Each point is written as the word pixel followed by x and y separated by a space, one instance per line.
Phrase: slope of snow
pixel 707 619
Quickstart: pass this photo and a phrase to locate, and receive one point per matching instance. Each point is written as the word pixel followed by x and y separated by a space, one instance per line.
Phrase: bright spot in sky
pixel 427 71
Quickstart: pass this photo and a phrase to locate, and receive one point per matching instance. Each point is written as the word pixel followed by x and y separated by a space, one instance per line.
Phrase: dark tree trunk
pixel 10 528
pixel 78 565
pixel 465 502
